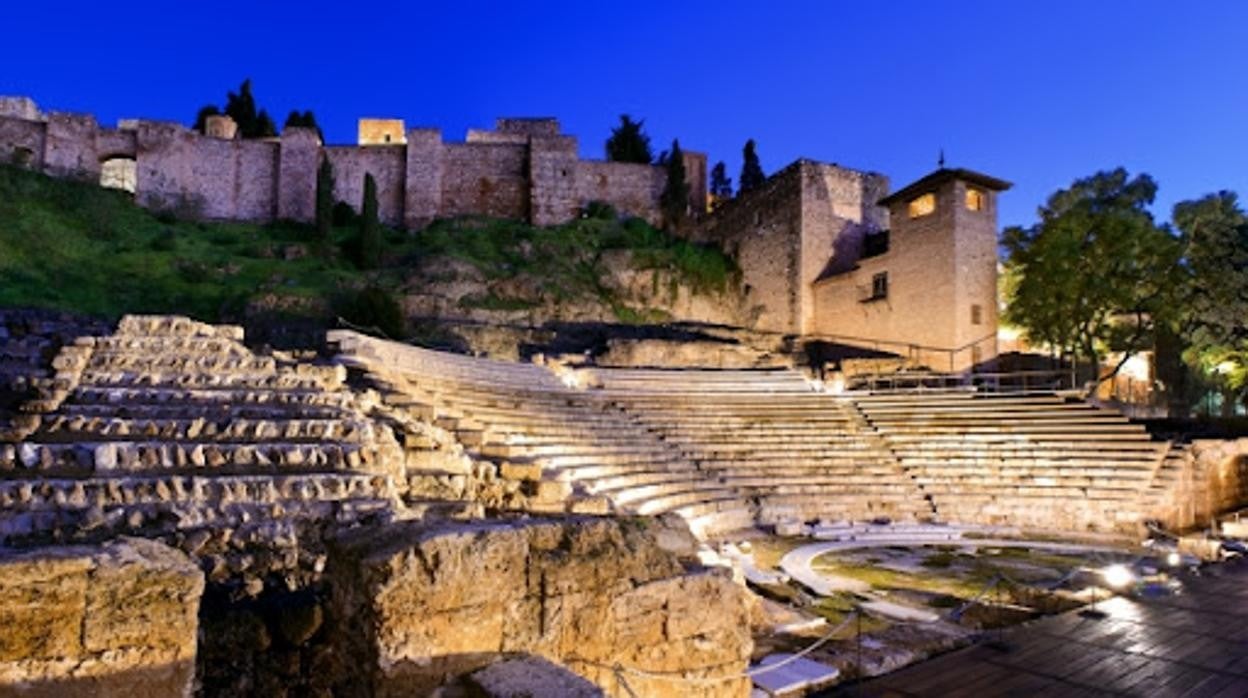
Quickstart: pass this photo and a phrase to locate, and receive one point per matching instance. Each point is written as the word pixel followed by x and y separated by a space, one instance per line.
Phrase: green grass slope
pixel 77 247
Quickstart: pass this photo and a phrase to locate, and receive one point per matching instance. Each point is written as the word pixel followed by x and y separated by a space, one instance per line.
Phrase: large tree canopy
pixel 629 143
pixel 1215 237
pixel 1096 273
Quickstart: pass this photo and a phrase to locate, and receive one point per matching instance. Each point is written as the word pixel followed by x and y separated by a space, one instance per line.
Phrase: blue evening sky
pixel 1038 93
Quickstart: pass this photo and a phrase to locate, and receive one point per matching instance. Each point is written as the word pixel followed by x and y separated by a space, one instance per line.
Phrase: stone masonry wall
pixel 484 179
pixel 590 594
pixel 525 169
pixel 938 266
pixel 22 142
pixel 115 620
pixel 632 189
pixel 387 164
pixel 762 229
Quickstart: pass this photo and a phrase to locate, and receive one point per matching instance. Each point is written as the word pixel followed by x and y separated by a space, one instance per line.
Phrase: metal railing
pixel 991 382
pixel 951 359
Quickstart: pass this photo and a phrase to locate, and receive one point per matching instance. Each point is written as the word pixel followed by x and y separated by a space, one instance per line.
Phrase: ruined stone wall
pixel 387 165
pixel 69 146
pixel 524 169
pixel 22 142
pixel 413 607
pixel 552 180
pixel 1210 479
pixel 112 620
pixel 633 189
pixel 762 229
pixel 179 170
pixel 299 158
pixel 422 193
pixel 484 179
pixel 838 210
pixel 19 108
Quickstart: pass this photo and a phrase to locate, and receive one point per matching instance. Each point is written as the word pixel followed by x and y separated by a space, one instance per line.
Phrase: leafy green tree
pixel 370 227
pixel 721 183
pixel 1215 235
pixel 324 200
pixel 629 143
pixel 1095 274
pixel 674 201
pixel 305 119
pixel 751 170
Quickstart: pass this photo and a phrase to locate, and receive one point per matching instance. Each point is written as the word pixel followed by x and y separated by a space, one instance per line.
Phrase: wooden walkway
pixel 1193 644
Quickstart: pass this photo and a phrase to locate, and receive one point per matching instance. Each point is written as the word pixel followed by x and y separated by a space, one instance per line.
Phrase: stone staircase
pixel 1038 461
pixel 574 450
pixel 170 426
pixel 800 454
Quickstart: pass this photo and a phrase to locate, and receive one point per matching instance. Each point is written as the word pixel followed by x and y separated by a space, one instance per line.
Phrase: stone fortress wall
pixel 800 238
pixel 525 169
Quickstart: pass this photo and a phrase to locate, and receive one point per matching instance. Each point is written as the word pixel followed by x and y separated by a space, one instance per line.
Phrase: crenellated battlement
pixel 524 169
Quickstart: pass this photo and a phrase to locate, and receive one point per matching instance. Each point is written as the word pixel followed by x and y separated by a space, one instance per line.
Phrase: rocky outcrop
pixel 417 604
pixel 115 620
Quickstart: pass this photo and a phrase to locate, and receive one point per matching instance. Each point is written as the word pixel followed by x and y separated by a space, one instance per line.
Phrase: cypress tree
pixel 721 184
pixel 629 143
pixel 370 227
pixel 324 200
pixel 751 171
pixel 674 201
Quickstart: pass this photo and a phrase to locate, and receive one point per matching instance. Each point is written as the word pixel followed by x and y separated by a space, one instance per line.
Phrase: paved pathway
pixel 1194 644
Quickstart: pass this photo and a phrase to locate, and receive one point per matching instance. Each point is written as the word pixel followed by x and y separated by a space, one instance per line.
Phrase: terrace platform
pixel 1191 644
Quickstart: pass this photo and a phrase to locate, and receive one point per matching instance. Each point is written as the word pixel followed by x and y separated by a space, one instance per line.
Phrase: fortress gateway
pixel 825 251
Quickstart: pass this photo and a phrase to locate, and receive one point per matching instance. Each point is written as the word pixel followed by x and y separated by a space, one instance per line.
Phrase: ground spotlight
pixel 1117 576
pixel 1174 559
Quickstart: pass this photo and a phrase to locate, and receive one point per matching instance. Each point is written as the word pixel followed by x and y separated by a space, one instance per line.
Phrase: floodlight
pixel 1117 576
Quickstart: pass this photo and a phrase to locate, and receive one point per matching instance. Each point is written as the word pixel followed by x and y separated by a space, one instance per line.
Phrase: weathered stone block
pixel 116 620
pixel 418 603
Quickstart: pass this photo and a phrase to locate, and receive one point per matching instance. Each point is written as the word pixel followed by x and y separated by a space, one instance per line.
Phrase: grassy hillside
pixel 77 247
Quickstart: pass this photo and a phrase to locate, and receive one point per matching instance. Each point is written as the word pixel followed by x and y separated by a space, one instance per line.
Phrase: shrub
pixel 374 310
pixel 165 241
pixel 600 210
pixel 344 216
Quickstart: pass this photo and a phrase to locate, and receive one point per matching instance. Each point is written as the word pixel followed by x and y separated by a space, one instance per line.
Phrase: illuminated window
pixel 879 286
pixel 974 200
pixel 922 205
pixel 118 173
pixel 977 314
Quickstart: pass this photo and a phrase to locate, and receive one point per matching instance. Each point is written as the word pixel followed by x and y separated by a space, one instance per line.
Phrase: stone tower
pixel 940 278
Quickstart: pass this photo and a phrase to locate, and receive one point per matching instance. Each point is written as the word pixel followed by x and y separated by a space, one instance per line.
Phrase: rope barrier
pixel 619 670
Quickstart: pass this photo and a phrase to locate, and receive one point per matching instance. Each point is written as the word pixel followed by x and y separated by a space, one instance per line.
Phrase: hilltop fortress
pixel 825 251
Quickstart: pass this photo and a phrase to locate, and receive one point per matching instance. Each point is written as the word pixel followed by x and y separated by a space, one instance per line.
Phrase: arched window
pixel 119 173
pixel 974 200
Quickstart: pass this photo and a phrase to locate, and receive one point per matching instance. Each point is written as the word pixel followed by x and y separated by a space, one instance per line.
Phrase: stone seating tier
pixel 85 458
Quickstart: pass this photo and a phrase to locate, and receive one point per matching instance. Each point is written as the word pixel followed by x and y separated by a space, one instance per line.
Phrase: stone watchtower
pixel 940 273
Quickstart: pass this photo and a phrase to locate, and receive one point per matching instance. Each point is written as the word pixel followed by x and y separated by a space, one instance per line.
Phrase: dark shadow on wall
pixel 164 681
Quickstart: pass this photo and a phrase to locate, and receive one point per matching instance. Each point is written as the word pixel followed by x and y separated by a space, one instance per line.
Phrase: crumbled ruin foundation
pixel 114 620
